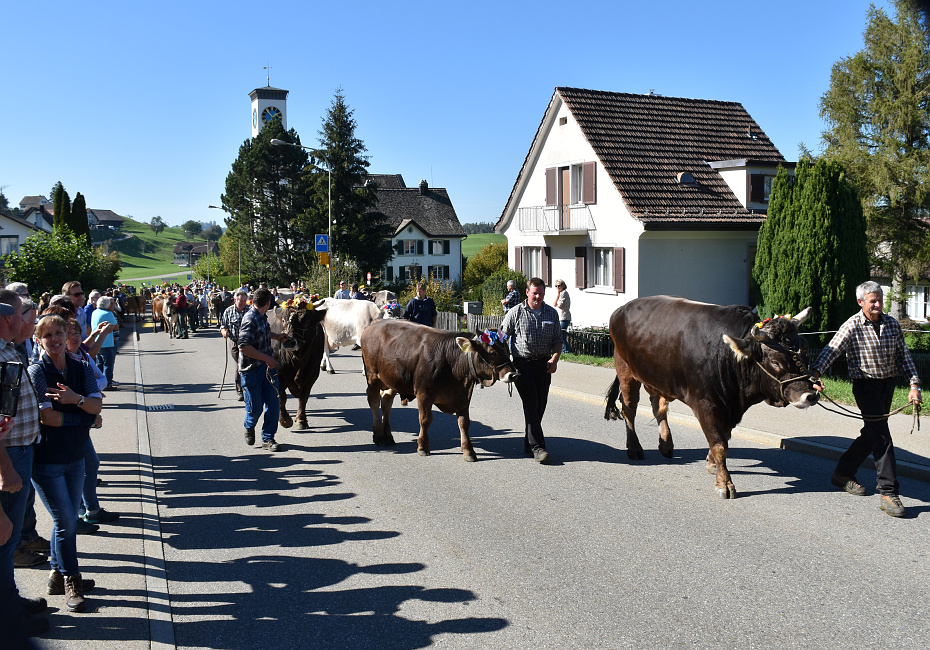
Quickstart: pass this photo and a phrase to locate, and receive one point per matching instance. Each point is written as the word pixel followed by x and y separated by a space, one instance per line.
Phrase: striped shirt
pixel 25 429
pixel 534 337
pixel 870 355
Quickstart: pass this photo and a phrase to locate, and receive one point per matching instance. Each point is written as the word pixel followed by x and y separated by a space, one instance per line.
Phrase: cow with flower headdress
pixel 299 356
pixel 433 366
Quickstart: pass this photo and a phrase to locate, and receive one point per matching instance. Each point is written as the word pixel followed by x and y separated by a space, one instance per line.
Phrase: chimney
pixel 423 186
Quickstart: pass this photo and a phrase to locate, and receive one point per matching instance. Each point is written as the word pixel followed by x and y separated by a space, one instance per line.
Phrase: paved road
pixel 336 544
pixel 157 277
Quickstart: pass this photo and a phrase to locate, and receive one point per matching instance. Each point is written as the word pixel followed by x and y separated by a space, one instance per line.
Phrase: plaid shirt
pixel 25 429
pixel 868 354
pixel 255 331
pixel 534 337
pixel 231 321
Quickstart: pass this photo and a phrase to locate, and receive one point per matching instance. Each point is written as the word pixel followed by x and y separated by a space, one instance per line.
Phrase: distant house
pixel 13 232
pixel 191 251
pixel 33 201
pixel 625 195
pixel 427 236
pixel 41 216
pixel 104 219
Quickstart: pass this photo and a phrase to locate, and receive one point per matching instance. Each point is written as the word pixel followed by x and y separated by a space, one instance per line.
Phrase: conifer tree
pixel 812 248
pixel 62 207
pixel 78 224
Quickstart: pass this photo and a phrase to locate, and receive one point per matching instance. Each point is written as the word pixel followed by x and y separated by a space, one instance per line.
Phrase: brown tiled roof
pixel 431 210
pixel 645 141
pixel 107 215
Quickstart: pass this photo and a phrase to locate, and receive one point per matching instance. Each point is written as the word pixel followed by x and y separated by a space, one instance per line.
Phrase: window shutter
pixel 446 247
pixel 518 258
pixel 390 273
pixel 419 247
pixel 547 265
pixel 552 186
pixel 581 267
pixel 588 186
pixel 620 270
pixel 445 273
pixel 756 188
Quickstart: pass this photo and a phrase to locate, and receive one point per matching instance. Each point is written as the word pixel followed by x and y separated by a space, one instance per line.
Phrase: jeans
pixel 873 396
pixel 91 467
pixel 260 394
pixel 59 487
pixel 182 322
pixel 563 325
pixel 533 386
pixel 14 505
pixel 29 532
pixel 105 359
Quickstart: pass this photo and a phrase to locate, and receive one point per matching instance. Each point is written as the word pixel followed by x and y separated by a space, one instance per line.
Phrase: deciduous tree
pixel 47 260
pixel 157 225
pixel 191 228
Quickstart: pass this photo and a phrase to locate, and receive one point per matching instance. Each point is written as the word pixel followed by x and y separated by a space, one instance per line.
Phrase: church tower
pixel 266 103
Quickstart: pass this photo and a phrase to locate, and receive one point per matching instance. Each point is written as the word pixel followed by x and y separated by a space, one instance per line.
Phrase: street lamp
pixel 316 153
pixel 216 207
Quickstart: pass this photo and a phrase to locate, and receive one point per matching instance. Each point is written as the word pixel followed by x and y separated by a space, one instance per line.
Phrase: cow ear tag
pixel 463 343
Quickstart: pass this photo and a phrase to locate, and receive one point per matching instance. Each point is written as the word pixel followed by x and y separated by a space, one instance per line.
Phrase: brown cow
pixel 158 302
pixel 433 367
pixel 299 368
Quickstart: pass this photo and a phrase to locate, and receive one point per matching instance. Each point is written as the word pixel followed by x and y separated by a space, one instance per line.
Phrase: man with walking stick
pixel 229 328
pixel 875 352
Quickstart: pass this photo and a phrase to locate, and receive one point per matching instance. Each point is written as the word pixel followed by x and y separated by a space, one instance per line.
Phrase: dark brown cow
pixel 431 366
pixel 714 359
pixel 299 368
pixel 218 305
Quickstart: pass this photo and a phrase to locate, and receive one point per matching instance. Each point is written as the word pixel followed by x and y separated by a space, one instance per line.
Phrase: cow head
pixel 775 346
pixel 489 357
pixel 302 323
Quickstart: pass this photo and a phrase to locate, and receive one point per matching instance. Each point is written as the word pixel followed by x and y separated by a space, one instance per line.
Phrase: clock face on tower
pixel 269 113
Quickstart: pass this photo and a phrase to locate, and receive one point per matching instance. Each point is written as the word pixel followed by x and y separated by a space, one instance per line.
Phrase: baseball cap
pixel 6 310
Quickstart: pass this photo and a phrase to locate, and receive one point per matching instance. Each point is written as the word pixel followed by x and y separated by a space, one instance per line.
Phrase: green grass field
pixel 474 243
pixel 146 255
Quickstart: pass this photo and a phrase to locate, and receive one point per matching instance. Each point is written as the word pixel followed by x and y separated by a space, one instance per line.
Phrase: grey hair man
pixel 512 299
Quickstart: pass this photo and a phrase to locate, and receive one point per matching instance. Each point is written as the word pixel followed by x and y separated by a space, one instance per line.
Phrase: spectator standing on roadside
pixel 421 309
pixel 343 293
pixel 512 299
pixel 74 291
pixel 180 304
pixel 563 305
pixel 107 355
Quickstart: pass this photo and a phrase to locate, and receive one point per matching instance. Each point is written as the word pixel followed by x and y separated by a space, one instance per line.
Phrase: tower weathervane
pixel 268 76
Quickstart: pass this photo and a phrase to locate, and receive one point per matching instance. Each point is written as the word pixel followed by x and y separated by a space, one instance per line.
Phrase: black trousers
pixel 234 352
pixel 533 387
pixel 873 396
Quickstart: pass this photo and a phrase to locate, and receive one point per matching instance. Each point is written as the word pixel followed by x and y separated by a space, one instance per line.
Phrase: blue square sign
pixel 322 243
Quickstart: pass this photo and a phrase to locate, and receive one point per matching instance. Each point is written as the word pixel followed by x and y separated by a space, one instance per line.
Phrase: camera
pixel 11 373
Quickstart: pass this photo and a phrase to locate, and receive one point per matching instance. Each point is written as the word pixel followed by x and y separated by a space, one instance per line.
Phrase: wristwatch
pixel 81 402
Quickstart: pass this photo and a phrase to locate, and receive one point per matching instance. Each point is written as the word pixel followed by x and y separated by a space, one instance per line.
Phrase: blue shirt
pixel 101 316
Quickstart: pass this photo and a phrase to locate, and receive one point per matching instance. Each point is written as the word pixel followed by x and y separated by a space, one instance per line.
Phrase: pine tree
pixel 359 232
pixel 812 248
pixel 62 207
pixel 878 115
pixel 78 223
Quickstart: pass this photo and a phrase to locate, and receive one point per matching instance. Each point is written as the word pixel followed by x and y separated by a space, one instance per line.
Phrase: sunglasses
pixel 79 293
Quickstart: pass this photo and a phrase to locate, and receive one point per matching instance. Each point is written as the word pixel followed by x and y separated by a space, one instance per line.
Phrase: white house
pixel 625 195
pixel 427 236
pixel 13 232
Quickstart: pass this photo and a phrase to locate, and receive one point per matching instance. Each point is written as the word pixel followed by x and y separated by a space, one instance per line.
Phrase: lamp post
pixel 216 207
pixel 316 153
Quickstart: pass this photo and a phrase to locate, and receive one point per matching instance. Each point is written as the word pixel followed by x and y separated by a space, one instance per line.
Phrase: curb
pixel 905 468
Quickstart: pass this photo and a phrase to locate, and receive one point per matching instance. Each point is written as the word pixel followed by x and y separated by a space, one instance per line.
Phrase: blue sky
pixel 142 106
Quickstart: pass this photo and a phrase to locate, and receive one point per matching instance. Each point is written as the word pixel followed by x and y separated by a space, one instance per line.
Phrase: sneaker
pixel 541 456
pixel 114 382
pixel 891 504
pixel 31 606
pixel 848 484
pixel 102 516
pixel 84 528
pixel 241 397
pixel 110 387
pixel 39 544
pixel 56 584
pixel 271 445
pixel 23 557
pixel 250 436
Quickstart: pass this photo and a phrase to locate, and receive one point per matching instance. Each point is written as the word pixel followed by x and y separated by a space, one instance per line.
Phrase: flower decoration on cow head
pixel 490 337
pixel 391 306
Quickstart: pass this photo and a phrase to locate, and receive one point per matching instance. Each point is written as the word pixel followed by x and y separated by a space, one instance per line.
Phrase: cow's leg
pixel 629 401
pixel 326 364
pixel 660 410
pixel 468 452
pixel 284 418
pixel 426 418
pixel 301 417
pixel 717 444
pixel 380 404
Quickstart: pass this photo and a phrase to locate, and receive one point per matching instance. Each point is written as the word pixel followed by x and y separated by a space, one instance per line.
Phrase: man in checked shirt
pixel 875 351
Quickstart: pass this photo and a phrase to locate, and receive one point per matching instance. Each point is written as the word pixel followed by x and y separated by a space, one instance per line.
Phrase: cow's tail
pixel 611 412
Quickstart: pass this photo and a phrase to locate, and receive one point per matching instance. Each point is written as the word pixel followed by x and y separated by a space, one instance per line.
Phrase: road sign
pixel 188 276
pixel 324 258
pixel 322 243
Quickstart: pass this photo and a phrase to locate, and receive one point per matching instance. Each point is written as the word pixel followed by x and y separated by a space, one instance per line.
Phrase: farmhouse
pixel 190 251
pixel 625 195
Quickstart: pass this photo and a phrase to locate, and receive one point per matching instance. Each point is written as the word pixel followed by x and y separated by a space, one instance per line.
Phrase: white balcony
pixel 556 219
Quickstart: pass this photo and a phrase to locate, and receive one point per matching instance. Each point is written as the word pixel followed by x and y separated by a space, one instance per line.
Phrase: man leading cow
pixel 229 328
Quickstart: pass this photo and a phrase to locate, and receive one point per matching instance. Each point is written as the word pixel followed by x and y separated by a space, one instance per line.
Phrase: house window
pixel 410 247
pixel 439 247
pixel 603 267
pixel 576 186
pixel 439 272
pixel 412 272
pixel 9 244
pixel 532 262
pixel 760 187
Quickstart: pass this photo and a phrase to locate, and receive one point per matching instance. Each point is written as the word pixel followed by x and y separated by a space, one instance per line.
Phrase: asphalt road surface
pixel 334 543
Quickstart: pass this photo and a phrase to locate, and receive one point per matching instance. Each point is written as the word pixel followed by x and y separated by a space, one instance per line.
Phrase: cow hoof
pixel 470 458
pixel 711 469
pixel 423 452
pixel 635 454
pixel 331 372
pixel 285 423
pixel 668 452
pixel 302 425
pixel 728 492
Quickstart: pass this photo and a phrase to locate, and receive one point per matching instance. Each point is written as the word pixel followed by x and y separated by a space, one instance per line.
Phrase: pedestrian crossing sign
pixel 322 243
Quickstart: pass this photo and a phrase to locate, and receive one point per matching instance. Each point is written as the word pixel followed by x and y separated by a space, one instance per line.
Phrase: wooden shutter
pixel 518 258
pixel 446 247
pixel 588 184
pixel 756 188
pixel 552 186
pixel 419 247
pixel 620 270
pixel 547 265
pixel 581 267
pixel 445 274
pixel 390 273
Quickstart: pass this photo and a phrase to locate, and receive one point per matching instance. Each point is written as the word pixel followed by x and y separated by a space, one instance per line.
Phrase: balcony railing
pixel 555 219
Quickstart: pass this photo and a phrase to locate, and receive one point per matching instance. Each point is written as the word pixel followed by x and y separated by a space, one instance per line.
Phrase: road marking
pixel 161 626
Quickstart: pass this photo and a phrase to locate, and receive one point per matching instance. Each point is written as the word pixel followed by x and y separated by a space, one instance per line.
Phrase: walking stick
pixel 225 366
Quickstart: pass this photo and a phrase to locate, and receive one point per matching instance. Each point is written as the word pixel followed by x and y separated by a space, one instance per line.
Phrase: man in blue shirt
pixel 421 309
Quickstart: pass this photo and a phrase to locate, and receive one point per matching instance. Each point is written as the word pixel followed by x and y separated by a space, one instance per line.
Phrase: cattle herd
pixel 718 360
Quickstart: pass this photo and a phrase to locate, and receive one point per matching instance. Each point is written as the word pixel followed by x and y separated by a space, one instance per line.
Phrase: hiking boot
pixel 541 456
pixel 56 584
pixel 23 557
pixel 848 484
pixel 75 594
pixel 32 606
pixel 271 445
pixel 250 436
pixel 39 544
pixel 84 528
pixel 891 504
pixel 102 516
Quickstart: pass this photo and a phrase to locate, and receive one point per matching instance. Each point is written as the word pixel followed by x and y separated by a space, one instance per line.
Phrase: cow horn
pixel 757 332
pixel 802 316
pixel 319 303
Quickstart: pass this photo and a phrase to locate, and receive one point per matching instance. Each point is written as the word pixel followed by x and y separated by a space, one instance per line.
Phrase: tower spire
pixel 268 76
